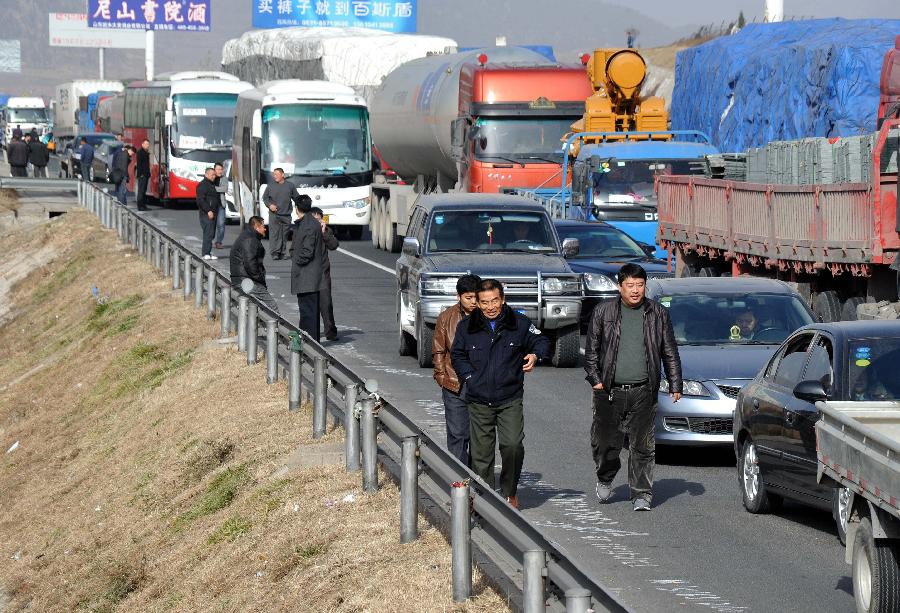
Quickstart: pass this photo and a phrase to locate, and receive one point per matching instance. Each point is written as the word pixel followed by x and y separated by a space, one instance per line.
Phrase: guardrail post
pixel 369 445
pixel 243 306
pixel 409 490
pixel 351 429
pixel 211 294
pixel 320 390
pixel 534 566
pixel 294 374
pixel 157 252
pixel 139 239
pixel 225 307
pixel 578 600
pixel 176 268
pixel 166 258
pixel 252 331
pixel 187 276
pixel 271 351
pixel 198 287
pixel 460 542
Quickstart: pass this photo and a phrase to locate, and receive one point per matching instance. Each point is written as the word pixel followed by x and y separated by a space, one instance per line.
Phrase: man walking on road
pixel 221 187
pixel 86 159
pixel 142 175
pixel 208 204
pixel 119 172
pixel 38 156
pixel 246 261
pixel 326 304
pixel 307 263
pixel 627 340
pixel 278 197
pixel 456 413
pixel 493 349
pixel 17 156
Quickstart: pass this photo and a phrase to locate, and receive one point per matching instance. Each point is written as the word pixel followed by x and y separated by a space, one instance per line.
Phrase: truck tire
pixel 394 242
pixel 841 507
pixel 374 220
pixel 708 271
pixel 876 575
pixel 756 497
pixel 423 344
pixel 566 347
pixel 827 306
pixel 848 309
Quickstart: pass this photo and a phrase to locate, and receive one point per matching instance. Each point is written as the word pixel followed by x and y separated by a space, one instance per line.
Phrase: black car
pixel 603 249
pixel 774 425
pixel 70 161
pixel 103 160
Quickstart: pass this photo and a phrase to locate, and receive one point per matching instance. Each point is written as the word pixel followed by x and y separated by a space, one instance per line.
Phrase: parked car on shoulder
pixel 775 437
pixel 726 329
pixel 70 158
pixel 103 160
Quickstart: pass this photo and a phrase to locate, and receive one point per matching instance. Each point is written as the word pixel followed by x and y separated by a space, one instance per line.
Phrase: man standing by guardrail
pixel 326 304
pixel 627 340
pixel 307 261
pixel 246 261
pixel 142 174
pixel 208 203
pixel 493 349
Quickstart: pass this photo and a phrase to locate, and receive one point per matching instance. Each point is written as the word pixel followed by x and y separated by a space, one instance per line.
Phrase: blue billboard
pixel 176 15
pixel 390 15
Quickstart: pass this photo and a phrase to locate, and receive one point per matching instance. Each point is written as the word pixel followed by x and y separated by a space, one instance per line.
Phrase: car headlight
pixel 357 204
pixel 561 285
pixel 441 286
pixel 183 173
pixel 599 283
pixel 689 388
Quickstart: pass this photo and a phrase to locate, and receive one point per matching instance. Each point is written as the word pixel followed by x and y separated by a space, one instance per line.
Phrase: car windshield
pixel 734 319
pixel 872 370
pixel 631 181
pixel 520 140
pixel 597 241
pixel 203 121
pixel 316 139
pixel 491 231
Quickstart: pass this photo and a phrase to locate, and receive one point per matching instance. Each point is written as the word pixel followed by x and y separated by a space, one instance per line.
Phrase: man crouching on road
pixel 626 341
pixel 456 413
pixel 493 349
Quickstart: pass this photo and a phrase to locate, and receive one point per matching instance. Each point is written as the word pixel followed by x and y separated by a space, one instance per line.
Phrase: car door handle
pixel 756 404
pixel 789 417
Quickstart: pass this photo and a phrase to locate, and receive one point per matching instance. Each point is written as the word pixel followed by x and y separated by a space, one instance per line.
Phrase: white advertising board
pixel 71 30
pixel 10 56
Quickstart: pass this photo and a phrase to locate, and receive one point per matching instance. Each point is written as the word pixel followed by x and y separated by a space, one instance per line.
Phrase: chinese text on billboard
pixel 391 16
pixel 180 15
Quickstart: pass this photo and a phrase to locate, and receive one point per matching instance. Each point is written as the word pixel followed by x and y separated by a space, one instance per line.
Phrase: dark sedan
pixel 602 250
pixel 775 438
pixel 70 163
pixel 103 160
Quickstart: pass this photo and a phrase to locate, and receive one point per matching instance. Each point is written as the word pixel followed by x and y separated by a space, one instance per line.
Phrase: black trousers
pixel 633 412
pixel 326 310
pixel 140 193
pixel 308 303
pixel 18 171
pixel 456 416
pixel 208 226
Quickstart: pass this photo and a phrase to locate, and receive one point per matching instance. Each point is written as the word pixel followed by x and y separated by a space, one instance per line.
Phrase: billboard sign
pixel 174 15
pixel 71 30
pixel 389 15
pixel 10 56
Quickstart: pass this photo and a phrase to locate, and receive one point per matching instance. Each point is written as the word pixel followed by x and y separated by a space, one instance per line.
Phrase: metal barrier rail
pixel 41 184
pixel 550 579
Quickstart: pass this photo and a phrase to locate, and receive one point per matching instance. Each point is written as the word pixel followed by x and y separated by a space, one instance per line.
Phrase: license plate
pixel 326 218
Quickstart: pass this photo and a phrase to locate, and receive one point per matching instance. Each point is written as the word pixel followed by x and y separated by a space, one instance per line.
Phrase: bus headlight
pixel 357 204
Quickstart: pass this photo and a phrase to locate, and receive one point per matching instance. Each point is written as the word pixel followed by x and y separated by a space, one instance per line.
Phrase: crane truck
pixel 486 120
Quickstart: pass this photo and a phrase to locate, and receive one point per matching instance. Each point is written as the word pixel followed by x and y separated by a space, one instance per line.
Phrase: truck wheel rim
pixel 843 507
pixel 862 577
pixel 751 472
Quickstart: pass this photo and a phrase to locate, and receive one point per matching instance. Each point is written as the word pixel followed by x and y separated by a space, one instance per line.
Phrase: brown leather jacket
pixel 444 332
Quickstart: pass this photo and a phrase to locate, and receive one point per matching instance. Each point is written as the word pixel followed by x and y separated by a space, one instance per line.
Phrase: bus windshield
pixel 203 121
pixel 26 115
pixel 316 140
pixel 529 140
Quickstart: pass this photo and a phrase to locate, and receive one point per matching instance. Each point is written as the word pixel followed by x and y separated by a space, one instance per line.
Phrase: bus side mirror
pixel 256 125
pixel 168 118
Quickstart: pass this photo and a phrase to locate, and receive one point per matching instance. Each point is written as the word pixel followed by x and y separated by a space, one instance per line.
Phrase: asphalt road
pixel 698 550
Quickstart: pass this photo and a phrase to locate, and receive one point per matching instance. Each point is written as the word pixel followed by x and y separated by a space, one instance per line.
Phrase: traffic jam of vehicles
pixel 780 279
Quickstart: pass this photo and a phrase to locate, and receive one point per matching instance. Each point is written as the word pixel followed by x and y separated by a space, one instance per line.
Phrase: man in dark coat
pixel 119 172
pixel 142 175
pixel 246 261
pixel 326 304
pixel 307 264
pixel 17 156
pixel 38 156
pixel 208 205
pixel 86 159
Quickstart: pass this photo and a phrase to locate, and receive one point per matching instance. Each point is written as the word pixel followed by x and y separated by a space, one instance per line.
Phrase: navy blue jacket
pixel 87 157
pixel 491 362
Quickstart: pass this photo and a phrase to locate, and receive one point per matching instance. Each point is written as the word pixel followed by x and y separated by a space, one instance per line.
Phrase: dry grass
pixel 142 480
pixel 9 201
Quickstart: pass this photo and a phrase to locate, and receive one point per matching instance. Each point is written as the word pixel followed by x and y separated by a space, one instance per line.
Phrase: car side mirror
pixel 411 247
pixel 650 250
pixel 811 391
pixel 570 247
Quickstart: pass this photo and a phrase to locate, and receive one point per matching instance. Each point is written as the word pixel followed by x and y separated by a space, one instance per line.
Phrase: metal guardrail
pixel 550 579
pixel 39 184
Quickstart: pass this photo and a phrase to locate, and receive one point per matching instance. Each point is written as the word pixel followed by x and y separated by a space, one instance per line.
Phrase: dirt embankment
pixel 136 459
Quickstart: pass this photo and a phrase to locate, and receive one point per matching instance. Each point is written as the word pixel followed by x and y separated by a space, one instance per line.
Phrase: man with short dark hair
pixel 208 205
pixel 119 172
pixel 17 156
pixel 326 304
pixel 246 261
pixel 278 197
pixel 307 262
pixel 38 156
pixel 86 159
pixel 627 340
pixel 493 349
pixel 221 187
pixel 453 392
pixel 142 174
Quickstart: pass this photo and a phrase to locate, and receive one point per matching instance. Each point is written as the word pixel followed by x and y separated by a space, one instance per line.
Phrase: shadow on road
pixel 694 456
pixel 844 584
pixel 534 493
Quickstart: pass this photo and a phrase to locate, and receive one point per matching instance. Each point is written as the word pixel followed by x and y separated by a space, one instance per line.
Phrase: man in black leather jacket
pixel 627 340
pixel 246 261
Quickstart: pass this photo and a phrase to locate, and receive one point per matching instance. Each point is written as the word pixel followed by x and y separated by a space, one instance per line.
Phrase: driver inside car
pixel 747 323
pixel 520 234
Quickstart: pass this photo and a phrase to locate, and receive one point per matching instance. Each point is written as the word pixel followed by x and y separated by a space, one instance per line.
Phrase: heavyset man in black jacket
pixel 17 156
pixel 246 261
pixel 493 349
pixel 627 340
pixel 38 155
pixel 208 203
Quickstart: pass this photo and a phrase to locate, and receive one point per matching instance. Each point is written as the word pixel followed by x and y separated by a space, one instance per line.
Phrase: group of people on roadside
pixel 482 350
pixel 27 151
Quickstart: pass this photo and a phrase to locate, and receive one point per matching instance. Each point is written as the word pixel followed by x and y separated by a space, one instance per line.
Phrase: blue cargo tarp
pixel 783 81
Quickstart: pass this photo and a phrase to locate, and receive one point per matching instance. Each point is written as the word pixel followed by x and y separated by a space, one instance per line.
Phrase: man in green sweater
pixel 627 342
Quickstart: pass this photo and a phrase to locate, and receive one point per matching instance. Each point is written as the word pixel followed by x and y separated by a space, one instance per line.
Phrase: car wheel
pixel 566 347
pixel 755 495
pixel 841 506
pixel 423 345
pixel 876 585
pixel 91 174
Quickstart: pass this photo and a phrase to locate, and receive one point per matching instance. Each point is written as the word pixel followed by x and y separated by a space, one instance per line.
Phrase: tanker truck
pixel 486 120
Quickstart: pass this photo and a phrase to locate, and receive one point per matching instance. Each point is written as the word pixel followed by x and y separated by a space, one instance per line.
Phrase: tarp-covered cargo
pixel 357 57
pixel 783 81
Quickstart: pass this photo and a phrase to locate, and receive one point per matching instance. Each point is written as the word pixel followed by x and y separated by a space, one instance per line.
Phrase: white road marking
pixel 366 260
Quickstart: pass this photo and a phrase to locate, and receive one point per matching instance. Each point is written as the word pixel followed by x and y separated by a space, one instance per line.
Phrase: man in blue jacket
pixel 87 159
pixel 493 349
